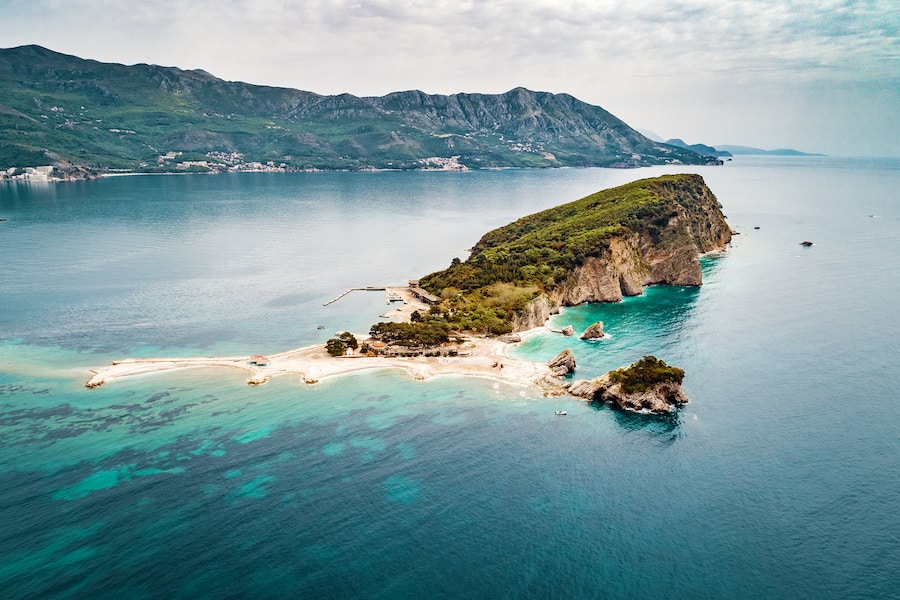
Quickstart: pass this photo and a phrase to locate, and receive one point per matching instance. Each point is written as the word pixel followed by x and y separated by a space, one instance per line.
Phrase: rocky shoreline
pixel 661 397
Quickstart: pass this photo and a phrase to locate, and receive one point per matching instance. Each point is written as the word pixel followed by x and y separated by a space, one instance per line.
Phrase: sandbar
pixel 483 357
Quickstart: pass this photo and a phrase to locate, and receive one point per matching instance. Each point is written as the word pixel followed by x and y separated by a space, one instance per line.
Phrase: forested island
pixel 461 320
pixel 597 249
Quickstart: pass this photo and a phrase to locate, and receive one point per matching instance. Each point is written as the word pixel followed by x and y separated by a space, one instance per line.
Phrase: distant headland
pixel 729 150
pixel 750 151
pixel 462 320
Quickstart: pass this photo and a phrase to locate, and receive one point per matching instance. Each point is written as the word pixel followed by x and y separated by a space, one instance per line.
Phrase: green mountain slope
pixel 56 107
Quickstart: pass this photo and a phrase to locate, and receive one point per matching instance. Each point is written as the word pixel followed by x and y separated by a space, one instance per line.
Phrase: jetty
pixel 338 297
pixel 368 288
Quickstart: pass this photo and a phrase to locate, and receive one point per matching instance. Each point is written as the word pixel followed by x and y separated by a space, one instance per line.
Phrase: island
pixel 647 385
pixel 463 320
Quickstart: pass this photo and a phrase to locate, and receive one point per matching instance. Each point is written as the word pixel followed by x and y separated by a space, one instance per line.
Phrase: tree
pixel 349 340
pixel 646 373
pixel 335 347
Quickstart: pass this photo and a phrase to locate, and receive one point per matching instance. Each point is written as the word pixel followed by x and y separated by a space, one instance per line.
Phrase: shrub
pixel 335 347
pixel 349 340
pixel 424 333
pixel 645 374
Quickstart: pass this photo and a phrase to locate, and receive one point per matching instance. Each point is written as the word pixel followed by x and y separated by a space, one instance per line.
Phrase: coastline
pixel 484 357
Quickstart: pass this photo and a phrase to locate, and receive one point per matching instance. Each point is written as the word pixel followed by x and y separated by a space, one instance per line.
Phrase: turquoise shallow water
pixel 778 480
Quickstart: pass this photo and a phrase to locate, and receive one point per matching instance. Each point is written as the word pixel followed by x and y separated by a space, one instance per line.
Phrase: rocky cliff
pixel 535 314
pixel 596 249
pixel 662 398
pixel 689 224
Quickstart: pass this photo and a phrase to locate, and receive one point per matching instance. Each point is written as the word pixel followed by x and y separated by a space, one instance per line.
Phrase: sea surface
pixel 780 478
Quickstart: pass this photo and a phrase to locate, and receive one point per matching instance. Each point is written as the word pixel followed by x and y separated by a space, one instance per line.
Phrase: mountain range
pixel 100 117
pixel 750 151
pixel 698 148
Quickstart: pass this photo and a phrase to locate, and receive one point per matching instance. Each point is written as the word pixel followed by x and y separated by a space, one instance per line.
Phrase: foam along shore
pixel 484 357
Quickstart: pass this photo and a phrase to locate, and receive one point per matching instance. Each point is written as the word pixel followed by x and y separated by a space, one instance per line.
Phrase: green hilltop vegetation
pixel 539 250
pixel 645 374
pixel 512 265
pixel 64 110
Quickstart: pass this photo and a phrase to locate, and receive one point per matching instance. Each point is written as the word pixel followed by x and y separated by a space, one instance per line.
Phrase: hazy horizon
pixel 816 76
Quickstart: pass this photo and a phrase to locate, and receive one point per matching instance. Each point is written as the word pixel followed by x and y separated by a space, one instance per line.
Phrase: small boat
pixel 806 243
pixel 320 327
pixel 757 227
pixel 561 413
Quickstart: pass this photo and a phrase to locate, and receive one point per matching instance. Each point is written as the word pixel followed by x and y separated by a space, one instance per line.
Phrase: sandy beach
pixel 484 357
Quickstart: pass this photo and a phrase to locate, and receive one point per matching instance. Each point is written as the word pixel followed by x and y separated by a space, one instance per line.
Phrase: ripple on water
pixel 257 488
pixel 371 445
pixel 398 488
pixel 333 449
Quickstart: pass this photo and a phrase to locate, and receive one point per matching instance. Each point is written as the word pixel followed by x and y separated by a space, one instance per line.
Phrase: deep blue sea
pixel 780 479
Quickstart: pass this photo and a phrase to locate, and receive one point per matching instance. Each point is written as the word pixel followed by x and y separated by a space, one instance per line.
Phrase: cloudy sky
pixel 819 75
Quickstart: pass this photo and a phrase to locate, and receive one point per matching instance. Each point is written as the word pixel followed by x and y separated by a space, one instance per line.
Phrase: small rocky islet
pixel 594 332
pixel 648 385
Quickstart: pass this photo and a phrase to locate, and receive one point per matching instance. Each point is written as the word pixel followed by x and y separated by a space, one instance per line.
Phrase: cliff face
pixel 596 249
pixel 670 255
pixel 535 314
pixel 694 225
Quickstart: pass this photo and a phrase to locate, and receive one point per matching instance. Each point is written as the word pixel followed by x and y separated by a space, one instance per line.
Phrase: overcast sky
pixel 820 75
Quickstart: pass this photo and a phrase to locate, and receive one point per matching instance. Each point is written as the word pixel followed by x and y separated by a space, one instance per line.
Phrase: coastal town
pixel 170 162
pixel 216 162
pixel 44 173
pixel 174 162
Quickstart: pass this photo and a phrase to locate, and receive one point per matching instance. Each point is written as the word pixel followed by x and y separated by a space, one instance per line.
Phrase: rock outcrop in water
pixel 563 363
pixel 661 398
pixel 649 385
pixel 594 332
